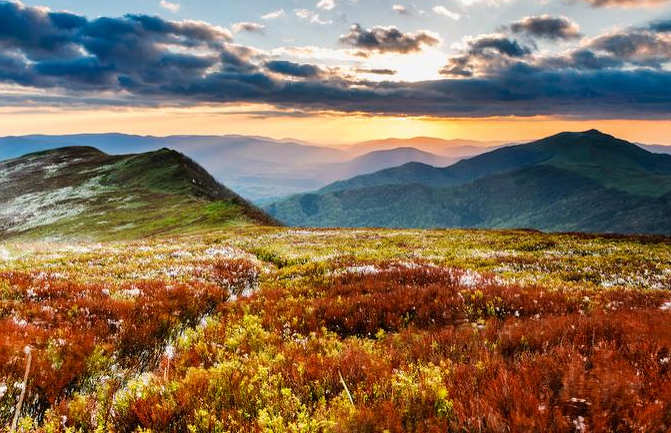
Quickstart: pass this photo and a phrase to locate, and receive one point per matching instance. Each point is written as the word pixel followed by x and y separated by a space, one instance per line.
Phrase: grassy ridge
pixel 84 193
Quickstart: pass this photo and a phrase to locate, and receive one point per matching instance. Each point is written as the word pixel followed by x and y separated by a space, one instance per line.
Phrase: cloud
pixel 68 51
pixel 443 11
pixel 494 3
pixel 388 40
pixel 376 71
pixel 661 26
pixel 485 54
pixel 580 59
pixel 517 91
pixel 547 27
pixel 637 46
pixel 401 10
pixel 248 27
pixel 626 3
pixel 64 59
pixel 488 44
pixel 38 33
pixel 326 5
pixel 274 15
pixel 172 7
pixel 311 16
pixel 648 47
pixel 294 69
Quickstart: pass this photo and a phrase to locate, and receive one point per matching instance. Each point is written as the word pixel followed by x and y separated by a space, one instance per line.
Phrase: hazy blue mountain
pixel 379 160
pixel 456 148
pixel 657 148
pixel 256 167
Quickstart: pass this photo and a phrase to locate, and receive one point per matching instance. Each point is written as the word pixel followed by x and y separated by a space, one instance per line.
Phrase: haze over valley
pixel 262 168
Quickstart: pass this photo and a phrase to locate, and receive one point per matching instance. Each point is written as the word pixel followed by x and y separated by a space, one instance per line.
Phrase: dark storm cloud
pixel 293 69
pixel 547 27
pixel 138 60
pixel 387 40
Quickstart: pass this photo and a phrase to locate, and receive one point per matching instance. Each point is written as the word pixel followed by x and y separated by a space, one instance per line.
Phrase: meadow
pixel 280 330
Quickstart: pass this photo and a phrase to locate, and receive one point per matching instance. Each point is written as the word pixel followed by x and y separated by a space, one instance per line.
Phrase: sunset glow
pixel 331 129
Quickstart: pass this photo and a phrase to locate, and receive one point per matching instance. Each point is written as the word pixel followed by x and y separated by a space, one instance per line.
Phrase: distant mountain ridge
pixel 82 192
pixel 454 148
pixel 255 167
pixel 586 181
pixel 656 148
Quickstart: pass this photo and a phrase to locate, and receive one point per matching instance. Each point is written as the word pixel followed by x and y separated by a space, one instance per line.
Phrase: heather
pixel 278 330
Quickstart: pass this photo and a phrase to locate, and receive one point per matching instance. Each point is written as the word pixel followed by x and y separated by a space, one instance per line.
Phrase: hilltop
pixel 82 192
pixel 573 181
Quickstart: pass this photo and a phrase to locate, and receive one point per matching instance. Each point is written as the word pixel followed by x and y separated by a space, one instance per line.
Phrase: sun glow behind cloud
pixel 420 66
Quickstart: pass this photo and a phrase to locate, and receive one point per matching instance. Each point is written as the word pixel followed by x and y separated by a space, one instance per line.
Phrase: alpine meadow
pixel 335 216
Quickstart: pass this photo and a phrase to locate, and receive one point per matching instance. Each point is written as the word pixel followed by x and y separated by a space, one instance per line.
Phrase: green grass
pixel 120 197
pixel 149 214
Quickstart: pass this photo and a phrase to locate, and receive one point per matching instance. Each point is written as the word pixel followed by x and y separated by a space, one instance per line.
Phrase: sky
pixel 337 71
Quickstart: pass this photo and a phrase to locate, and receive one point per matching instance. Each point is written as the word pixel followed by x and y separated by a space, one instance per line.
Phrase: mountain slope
pixel 542 197
pixel 83 192
pixel 569 182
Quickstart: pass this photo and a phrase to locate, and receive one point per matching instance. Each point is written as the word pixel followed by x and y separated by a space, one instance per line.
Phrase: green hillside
pixel 569 182
pixel 84 193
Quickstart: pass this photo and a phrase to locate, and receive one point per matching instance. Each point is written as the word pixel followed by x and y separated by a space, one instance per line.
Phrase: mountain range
pixel 81 192
pixel 586 181
pixel 260 168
